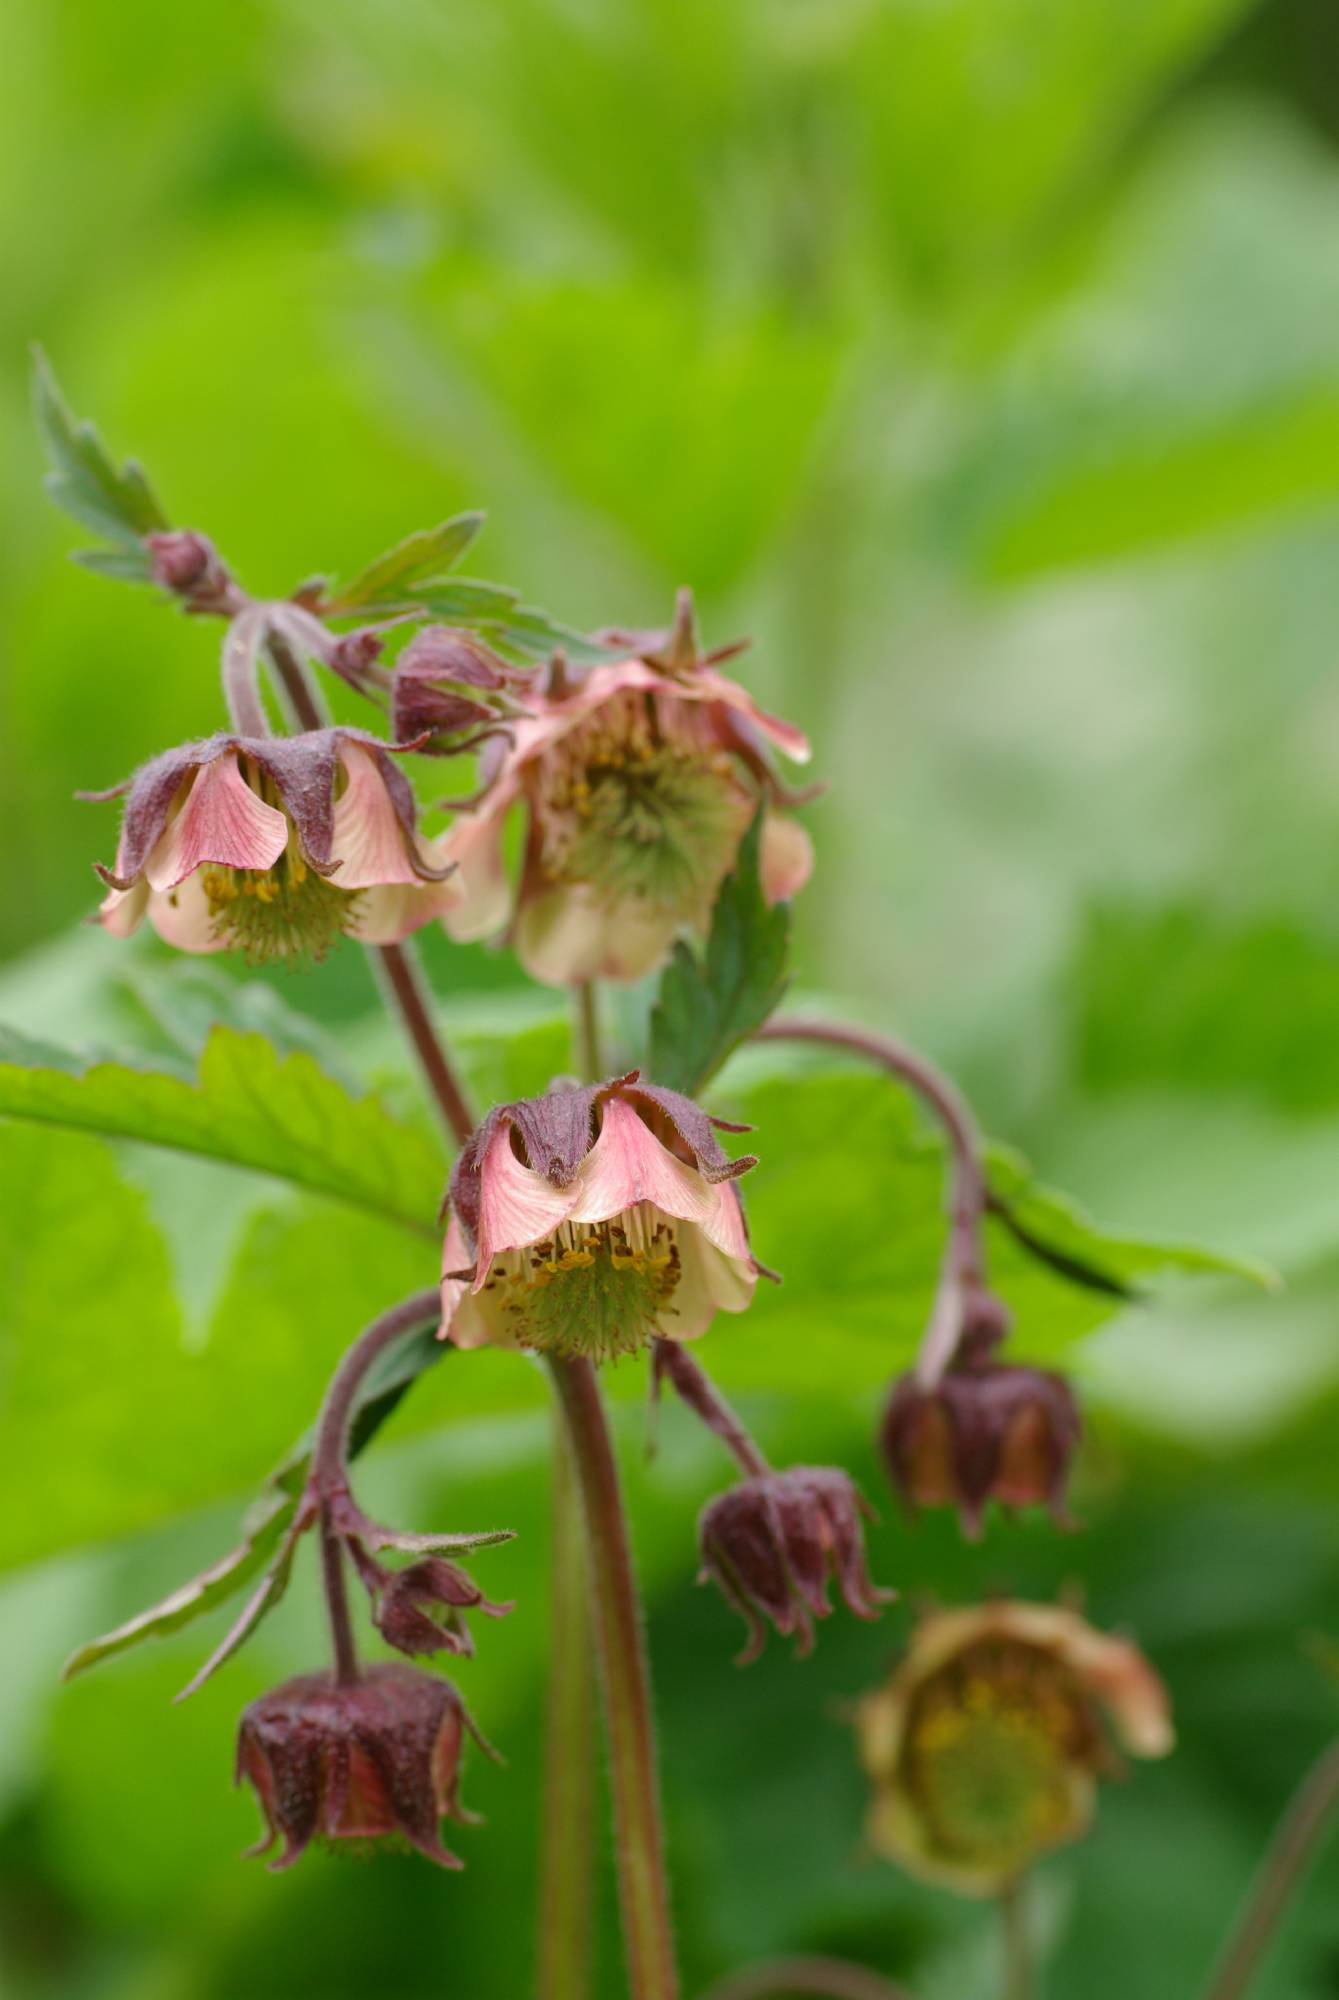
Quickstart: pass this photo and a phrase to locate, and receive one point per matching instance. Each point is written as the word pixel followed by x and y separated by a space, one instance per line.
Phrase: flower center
pixel 638 802
pixel 287 911
pixel 993 1743
pixel 597 1289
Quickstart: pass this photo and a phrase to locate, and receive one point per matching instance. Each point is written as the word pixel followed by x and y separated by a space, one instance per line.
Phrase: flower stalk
pixel 565 1940
pixel 962 1280
pixel 1305 1820
pixel 625 1685
pixel 817 1978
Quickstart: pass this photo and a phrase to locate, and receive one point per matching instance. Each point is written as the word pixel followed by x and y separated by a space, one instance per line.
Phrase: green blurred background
pixel 981 357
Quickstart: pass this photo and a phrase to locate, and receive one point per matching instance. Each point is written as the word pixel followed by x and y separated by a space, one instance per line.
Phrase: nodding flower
pixel 378 1757
pixel 638 781
pixel 988 1430
pixel 985 1747
pixel 274 846
pixel 589 1221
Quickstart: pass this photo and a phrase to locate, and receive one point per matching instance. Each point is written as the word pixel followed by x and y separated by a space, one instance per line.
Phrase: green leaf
pixel 248 1106
pixel 115 502
pixel 262 1532
pixel 708 1005
pixel 422 557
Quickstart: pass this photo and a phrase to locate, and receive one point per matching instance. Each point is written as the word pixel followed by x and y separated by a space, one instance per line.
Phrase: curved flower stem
pixel 643 1889
pixel 1018 1961
pixel 567 1829
pixel 963 1269
pixel 696 1388
pixel 241 678
pixel 297 684
pixel 819 1978
pixel 1291 1850
pixel 329 1473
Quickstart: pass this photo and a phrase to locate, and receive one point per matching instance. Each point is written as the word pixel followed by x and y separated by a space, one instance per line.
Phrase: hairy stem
pixel 241 678
pixel 1305 1819
pixel 625 1686
pixel 297 684
pixel 696 1388
pixel 819 1978
pixel 567 1830
pixel 586 1030
pixel 329 1471
pixel 963 1269
pixel 337 1604
pixel 1017 1942
pixel 407 994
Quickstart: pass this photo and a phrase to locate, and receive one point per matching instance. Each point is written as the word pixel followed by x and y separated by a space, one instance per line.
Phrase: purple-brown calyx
pixel 188 565
pixel 452 690
pixel 774 1543
pixel 986 1431
pixel 593 1219
pixel 380 1757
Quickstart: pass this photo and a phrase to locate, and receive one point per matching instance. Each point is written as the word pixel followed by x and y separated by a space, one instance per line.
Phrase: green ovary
pixel 592 1289
pixel 993 1746
pixel 288 911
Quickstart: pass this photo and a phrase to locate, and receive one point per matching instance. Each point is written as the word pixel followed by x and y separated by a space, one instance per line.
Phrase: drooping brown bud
pixel 987 1431
pixel 448 684
pixel 379 1757
pixel 774 1543
pixel 187 564
pixel 420 1609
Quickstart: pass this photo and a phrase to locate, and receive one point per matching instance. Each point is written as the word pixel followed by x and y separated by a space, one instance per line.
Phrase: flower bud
pixel 985 1747
pixel 986 1431
pixel 774 1542
pixel 420 1609
pixel 186 564
pixel 378 1757
pixel 448 685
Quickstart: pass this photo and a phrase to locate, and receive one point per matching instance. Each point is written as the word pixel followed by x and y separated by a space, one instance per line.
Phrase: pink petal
pixel 222 821
pixel 572 933
pixel 385 915
pixel 483 896
pixel 182 917
pixel 787 857
pixel 368 840
pixel 628 1164
pixel 708 685
pixel 121 911
pixel 517 1206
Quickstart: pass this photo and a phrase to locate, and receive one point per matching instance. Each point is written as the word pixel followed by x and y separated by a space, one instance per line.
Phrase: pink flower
pixel 639 783
pixel 588 1221
pixel 274 845
pixel 986 1745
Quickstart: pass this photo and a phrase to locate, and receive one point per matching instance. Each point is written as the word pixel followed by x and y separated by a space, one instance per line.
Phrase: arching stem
pixel 696 1388
pixel 625 1687
pixel 962 1272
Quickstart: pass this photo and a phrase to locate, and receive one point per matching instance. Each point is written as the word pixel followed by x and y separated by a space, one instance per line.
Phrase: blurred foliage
pixel 979 356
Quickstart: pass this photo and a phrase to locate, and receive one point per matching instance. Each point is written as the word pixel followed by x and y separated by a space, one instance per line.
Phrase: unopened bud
pixel 984 1432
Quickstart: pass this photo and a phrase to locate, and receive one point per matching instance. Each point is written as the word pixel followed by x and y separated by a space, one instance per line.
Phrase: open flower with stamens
pixel 638 780
pixel 274 846
pixel 986 1745
pixel 590 1220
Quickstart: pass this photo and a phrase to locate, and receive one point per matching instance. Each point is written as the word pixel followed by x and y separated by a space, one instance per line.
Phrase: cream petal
pixel 483 895
pixel 459 1324
pixel 121 911
pixel 572 934
pixel 709 1282
pixel 182 917
pixel 368 840
pixel 628 1164
pixel 787 858
pixel 222 821
pixel 392 911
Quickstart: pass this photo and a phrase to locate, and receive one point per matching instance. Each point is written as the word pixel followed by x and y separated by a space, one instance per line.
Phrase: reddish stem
pixel 408 992
pixel 696 1388
pixel 820 1978
pixel 962 1274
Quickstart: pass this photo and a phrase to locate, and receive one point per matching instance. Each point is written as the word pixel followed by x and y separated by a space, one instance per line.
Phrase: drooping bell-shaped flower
pixel 274 846
pixel 378 1757
pixel 988 1430
pixel 638 780
pixel 985 1747
pixel 590 1220
pixel 774 1543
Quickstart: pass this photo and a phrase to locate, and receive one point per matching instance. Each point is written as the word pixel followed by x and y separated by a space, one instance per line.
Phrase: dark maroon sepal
pixel 987 1431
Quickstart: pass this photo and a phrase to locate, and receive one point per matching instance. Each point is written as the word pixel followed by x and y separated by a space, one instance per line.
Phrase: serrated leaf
pixel 707 1006
pixel 115 502
pixel 248 1106
pixel 262 1532
pixel 426 554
